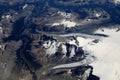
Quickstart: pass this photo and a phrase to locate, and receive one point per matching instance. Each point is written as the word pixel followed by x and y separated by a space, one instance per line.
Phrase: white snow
pixel 81 35
pixel 47 44
pixel 68 23
pixel 24 6
pixel 56 24
pixel 8 16
pixel 72 42
pixel 98 14
pixel 64 14
pixel 64 49
pixel 2 47
pixel 65 23
pixel 107 66
pixel 83 41
pixel 52 48
pixel 89 59
pixel 1 30
pixel 116 1
pixel 72 52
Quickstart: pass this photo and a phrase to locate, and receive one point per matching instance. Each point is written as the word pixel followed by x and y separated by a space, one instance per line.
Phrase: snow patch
pixel 117 1
pixel 8 16
pixel 64 49
pixel 98 14
pixel 2 47
pixel 1 30
pixel 24 6
pixel 65 23
pixel 64 14
pixel 47 44
pixel 72 42
pixel 72 52
pixel 52 48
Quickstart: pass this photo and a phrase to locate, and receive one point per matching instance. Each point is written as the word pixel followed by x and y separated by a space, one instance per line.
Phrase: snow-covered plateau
pixel 107 51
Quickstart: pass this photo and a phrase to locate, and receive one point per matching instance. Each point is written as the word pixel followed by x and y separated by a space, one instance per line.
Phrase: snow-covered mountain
pixel 59 39
pixel 103 53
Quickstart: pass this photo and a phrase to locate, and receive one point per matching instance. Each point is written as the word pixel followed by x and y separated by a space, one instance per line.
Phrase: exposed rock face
pixel 8 59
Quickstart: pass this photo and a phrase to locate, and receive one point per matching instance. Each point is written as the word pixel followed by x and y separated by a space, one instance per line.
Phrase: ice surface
pixel 107 66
